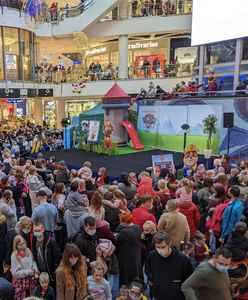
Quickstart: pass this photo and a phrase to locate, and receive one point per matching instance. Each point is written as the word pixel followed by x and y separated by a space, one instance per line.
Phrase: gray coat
pixel 9 211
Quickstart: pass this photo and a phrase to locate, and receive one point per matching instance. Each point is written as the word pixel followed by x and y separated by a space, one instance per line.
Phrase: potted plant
pixel 210 128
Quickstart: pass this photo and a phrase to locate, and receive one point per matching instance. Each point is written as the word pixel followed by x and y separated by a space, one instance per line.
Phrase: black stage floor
pixel 134 162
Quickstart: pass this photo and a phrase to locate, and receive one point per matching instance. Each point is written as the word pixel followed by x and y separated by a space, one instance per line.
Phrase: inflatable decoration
pixel 190 159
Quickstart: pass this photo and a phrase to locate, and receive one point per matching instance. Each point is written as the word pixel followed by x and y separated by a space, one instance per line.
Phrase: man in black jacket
pixel 166 269
pixel 45 251
pixel 86 239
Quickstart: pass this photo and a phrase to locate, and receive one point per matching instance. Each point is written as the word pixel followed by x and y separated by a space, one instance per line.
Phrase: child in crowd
pixel 184 192
pixel 119 201
pixel 123 293
pixel 43 290
pixel 201 250
pixel 99 286
pixel 136 290
pixel 11 177
pixel 201 171
pixel 102 173
pixel 133 179
pixel 238 242
pixel 85 172
pixel 187 248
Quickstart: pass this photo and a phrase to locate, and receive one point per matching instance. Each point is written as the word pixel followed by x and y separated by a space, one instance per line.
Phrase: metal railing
pixel 166 8
pixel 111 73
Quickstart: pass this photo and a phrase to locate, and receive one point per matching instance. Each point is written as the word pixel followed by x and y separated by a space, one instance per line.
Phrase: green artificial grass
pixel 175 142
pixel 128 150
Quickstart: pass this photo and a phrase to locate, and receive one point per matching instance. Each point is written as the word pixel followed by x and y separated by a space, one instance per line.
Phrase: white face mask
pixel 221 268
pixel 163 252
pixel 91 232
pixel 26 231
pixel 73 261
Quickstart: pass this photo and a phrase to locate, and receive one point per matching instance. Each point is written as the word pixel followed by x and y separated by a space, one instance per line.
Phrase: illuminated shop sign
pixel 139 45
pixel 96 51
pixel 14 100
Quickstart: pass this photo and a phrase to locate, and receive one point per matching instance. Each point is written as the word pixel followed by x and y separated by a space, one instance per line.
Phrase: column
pixel 238 57
pixel 123 57
pixel 201 64
pixel 123 10
pixel 38 108
pixel 60 112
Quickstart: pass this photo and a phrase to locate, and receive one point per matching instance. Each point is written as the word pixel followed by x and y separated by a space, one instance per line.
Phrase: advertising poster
pixel 93 131
pixel 163 161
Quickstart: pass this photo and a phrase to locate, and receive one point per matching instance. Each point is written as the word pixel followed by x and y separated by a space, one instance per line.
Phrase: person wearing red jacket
pixel 142 214
pixel 192 88
pixel 191 212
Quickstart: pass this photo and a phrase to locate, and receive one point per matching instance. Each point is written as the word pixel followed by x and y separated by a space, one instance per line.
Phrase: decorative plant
pixel 210 128
pixel 132 117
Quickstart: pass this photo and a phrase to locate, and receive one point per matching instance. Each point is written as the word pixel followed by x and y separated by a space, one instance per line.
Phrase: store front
pixel 17 54
pixel 75 107
pixel 108 54
pixel 50 113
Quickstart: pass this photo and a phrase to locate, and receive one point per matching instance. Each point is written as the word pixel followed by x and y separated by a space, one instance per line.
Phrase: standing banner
pixel 162 161
pixel 93 131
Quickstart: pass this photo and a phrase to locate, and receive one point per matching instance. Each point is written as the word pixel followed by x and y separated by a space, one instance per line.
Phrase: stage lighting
pixel 185 127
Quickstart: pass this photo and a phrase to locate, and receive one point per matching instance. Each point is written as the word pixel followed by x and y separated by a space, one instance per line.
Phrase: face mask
pixel 38 234
pixel 73 261
pixel 21 247
pixel 163 252
pixel 133 296
pixel 91 232
pixel 26 231
pixel 221 268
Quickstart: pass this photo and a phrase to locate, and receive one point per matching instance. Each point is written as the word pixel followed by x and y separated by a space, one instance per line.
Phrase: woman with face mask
pixel 23 268
pixel 24 228
pixel 71 275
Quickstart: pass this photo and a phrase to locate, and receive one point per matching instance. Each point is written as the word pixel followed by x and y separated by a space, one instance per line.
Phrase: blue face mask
pixel 221 268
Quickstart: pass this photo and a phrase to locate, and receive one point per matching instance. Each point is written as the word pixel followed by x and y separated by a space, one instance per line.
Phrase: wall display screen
pixel 219 20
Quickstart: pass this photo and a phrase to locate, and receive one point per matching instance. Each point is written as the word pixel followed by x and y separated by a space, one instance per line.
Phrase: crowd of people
pixel 157 8
pixel 74 234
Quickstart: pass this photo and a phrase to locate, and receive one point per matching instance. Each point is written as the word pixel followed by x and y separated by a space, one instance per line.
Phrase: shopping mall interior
pixel 57 50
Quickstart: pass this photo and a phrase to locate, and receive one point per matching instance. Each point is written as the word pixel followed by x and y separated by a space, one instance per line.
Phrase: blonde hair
pixel 16 242
pixel 32 170
pixel 119 194
pixel 87 164
pixel 23 221
pixel 144 174
pixel 186 183
pixel 162 184
pixel 44 277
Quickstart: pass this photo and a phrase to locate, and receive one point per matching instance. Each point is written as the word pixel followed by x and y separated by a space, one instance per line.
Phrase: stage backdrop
pixel 160 126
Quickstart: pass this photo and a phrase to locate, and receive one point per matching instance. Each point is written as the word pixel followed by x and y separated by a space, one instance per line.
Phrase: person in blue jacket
pixel 232 214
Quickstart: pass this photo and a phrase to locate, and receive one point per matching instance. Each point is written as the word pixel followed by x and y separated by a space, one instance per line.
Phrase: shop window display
pixel 221 52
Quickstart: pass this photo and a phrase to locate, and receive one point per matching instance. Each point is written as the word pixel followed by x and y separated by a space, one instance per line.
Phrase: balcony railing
pixel 52 75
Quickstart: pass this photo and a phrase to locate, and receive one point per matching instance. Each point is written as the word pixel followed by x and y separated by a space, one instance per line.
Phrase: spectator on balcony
pixel 192 87
pixel 167 7
pixel 146 68
pixel 98 71
pixel 156 67
pixel 158 7
pixel 53 11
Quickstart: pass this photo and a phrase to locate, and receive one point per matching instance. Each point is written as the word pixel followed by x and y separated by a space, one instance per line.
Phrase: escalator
pixel 82 17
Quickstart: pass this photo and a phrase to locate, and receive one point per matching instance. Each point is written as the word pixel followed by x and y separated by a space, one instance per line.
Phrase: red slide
pixel 133 135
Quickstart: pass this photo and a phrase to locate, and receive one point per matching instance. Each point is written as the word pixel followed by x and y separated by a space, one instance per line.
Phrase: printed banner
pixel 163 161
pixel 93 131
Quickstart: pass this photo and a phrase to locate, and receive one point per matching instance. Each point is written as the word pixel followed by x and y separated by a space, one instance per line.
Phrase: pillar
pixel 38 108
pixel 123 57
pixel 123 10
pixel 201 64
pixel 60 112
pixel 238 57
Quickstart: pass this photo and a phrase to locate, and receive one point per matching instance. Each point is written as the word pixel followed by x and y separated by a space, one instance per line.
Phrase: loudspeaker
pixel 228 120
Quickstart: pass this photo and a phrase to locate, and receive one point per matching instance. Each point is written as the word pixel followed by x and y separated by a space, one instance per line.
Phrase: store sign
pixel 96 51
pixel 14 101
pixel 186 55
pixel 145 45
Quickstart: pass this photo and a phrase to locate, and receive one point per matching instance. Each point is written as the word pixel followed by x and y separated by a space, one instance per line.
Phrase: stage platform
pixel 131 162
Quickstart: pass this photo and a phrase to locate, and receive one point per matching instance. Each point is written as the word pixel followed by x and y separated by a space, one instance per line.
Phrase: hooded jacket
pixel 238 245
pixel 192 214
pixel 168 274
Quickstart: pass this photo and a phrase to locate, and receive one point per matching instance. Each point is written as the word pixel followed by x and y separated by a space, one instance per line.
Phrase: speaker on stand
pixel 228 119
